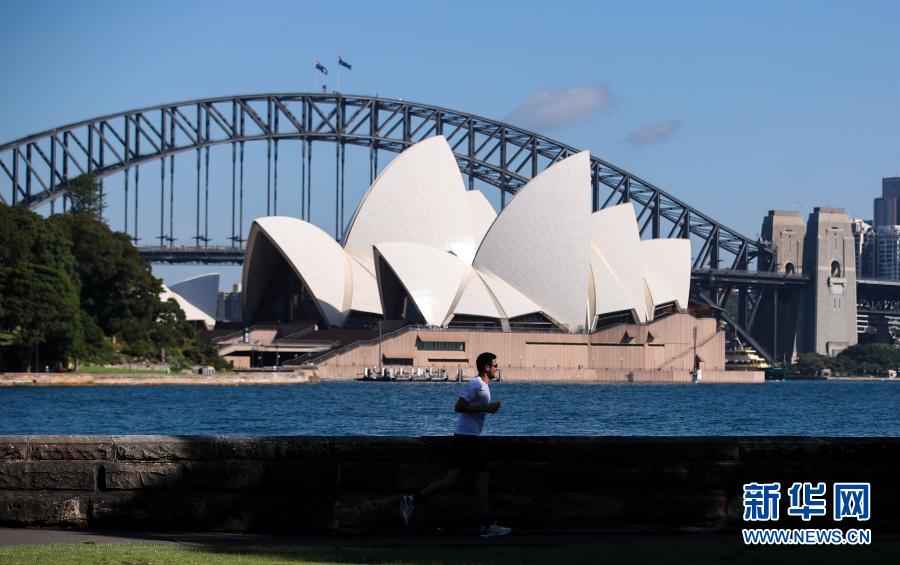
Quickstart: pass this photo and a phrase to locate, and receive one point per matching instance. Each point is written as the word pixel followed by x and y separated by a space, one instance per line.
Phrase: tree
pixel 85 196
pixel 120 297
pixel 119 293
pixel 809 364
pixel 39 306
pixel 869 358
pixel 69 286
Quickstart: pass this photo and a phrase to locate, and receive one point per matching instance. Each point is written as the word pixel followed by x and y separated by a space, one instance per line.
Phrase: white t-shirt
pixel 477 393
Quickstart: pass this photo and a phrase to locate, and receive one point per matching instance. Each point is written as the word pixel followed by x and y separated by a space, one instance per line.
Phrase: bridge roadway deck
pixel 222 254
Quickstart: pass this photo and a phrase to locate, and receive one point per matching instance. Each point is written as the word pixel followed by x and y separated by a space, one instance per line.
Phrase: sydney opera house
pixel 553 288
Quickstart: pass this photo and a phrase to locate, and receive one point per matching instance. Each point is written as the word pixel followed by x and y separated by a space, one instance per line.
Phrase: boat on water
pixel 740 357
pixel 400 375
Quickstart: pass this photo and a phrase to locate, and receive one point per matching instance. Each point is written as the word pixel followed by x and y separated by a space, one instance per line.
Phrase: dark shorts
pixel 468 452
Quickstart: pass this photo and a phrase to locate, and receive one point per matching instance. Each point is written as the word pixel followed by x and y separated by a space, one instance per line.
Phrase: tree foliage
pixel 857 360
pixel 86 197
pixel 72 289
pixel 39 305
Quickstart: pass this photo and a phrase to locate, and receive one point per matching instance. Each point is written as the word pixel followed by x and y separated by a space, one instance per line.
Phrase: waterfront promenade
pixel 245 378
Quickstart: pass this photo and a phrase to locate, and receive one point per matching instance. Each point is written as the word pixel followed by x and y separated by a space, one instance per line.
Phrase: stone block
pixel 567 477
pixel 276 447
pixel 520 477
pixel 703 509
pixel 222 511
pixel 785 471
pixel 168 509
pixel 48 476
pixel 768 450
pixel 71 451
pixel 136 476
pixel 681 450
pixel 167 448
pixel 13 449
pixel 164 509
pixel 613 475
pixel 396 449
pixel 369 476
pixel 368 512
pixel 304 476
pixel 861 450
pixel 590 450
pixel 534 449
pixel 584 510
pixel 693 476
pixel 36 508
pixel 293 512
pixel 224 475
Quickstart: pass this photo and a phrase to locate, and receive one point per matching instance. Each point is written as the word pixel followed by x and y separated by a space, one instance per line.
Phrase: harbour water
pixel 819 408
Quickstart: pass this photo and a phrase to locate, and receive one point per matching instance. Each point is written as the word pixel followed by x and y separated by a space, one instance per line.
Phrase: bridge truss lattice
pixel 37 170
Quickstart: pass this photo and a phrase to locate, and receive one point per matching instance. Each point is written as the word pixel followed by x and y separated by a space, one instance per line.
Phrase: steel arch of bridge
pixel 37 169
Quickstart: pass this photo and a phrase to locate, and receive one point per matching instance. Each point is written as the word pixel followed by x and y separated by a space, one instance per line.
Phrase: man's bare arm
pixel 462 405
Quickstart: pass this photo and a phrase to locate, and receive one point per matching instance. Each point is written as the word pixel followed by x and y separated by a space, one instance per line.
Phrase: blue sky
pixel 736 108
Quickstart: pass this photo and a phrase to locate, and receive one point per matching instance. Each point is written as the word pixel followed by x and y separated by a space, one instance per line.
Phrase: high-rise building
pixel 887 208
pixel 229 305
pixel 887 252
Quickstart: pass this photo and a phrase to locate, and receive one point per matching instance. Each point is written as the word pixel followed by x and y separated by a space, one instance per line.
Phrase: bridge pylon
pixel 821 316
pixel 831 260
pixel 776 325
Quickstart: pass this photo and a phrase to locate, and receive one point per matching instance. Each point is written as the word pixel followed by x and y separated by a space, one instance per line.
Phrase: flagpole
pixel 339 75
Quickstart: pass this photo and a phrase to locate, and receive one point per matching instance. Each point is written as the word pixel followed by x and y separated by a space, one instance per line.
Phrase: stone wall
pixel 304 484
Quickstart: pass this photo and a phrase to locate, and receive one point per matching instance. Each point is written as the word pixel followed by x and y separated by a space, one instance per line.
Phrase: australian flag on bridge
pixel 344 63
pixel 321 68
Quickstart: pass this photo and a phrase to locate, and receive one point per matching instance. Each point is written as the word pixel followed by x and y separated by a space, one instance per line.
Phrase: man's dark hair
pixel 484 361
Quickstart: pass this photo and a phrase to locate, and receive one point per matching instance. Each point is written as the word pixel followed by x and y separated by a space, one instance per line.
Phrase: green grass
pixel 636 549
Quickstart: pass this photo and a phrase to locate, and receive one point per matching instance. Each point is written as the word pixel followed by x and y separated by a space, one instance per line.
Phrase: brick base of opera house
pixel 352 484
pixel 662 351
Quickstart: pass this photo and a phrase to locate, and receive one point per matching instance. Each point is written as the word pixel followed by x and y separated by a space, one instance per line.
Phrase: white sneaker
pixel 406 508
pixel 494 530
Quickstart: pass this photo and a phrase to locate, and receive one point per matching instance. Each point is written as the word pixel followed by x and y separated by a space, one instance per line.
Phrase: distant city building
pixel 864 247
pixel 887 252
pixel 887 211
pixel 228 308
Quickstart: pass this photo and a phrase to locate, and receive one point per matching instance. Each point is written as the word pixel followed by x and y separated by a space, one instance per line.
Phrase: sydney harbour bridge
pixel 134 155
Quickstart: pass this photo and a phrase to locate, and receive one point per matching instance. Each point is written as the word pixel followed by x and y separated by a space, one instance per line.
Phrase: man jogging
pixel 467 453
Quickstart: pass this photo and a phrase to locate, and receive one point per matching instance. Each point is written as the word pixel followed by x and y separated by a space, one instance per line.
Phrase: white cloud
pixel 653 133
pixel 552 109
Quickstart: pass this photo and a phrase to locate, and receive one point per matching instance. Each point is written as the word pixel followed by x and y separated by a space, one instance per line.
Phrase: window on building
pixel 423 345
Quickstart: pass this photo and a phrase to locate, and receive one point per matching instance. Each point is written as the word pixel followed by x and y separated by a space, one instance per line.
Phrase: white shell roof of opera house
pixel 546 253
